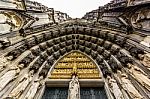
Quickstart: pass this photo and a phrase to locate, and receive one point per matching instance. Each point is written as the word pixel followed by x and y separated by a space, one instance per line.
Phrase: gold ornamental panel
pixel 75 63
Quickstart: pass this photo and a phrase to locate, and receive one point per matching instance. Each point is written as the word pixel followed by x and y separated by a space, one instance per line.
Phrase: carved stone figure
pixel 146 41
pixel 140 19
pixel 74 89
pixel 114 88
pixel 140 76
pixel 130 2
pixel 136 52
pixel 4 42
pixel 33 89
pixel 127 85
pixel 4 62
pixel 8 76
pixel 146 60
pixel 23 83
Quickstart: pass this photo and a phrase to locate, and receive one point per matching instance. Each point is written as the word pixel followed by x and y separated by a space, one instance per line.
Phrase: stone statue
pixel 4 62
pixel 127 85
pixel 74 88
pixel 146 60
pixel 114 88
pixel 9 76
pixel 140 76
pixel 146 41
pixel 33 89
pixel 23 83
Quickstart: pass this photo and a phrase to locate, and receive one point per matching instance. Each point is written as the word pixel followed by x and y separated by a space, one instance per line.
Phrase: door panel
pixel 85 93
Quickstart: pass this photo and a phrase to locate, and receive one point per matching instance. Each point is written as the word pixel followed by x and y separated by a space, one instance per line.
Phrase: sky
pixel 74 8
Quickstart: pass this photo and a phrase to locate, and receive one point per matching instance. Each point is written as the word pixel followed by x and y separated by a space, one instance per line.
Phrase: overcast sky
pixel 74 8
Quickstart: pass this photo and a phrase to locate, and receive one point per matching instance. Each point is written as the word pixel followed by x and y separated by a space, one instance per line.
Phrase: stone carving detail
pixel 4 42
pixel 69 48
pixel 100 42
pixel 114 49
pixel 107 45
pixel 106 72
pixel 10 75
pixel 114 88
pixel 81 48
pixel 74 89
pixel 56 55
pixel 123 59
pixel 114 66
pixel 94 54
pixel 43 46
pixel 62 51
pixel 56 40
pixel 63 44
pixel 26 60
pixel 140 76
pixel 136 2
pixel 141 18
pixel 87 44
pixel 93 40
pixel 84 68
pixel 81 42
pixel 50 51
pixel 128 86
pixel 94 47
pixel 111 37
pixel 35 51
pixel 50 43
pixel 106 54
pixel 104 35
pixel 99 59
pixel 56 47
pixel 87 50
pixel 23 83
pixel 51 60
pixel 136 52
pixel 120 40
pixel 36 65
pixel 69 42
pixel 146 41
pixel 14 54
pixel 45 70
pixel 146 60
pixel 100 50
pixel 87 38
pixel 34 88
pixel 4 62
pixel 43 56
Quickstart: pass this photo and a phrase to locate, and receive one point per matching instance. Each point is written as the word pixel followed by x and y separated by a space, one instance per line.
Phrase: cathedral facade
pixel 45 54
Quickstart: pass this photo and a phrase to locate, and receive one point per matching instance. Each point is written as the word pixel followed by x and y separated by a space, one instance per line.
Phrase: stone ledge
pixel 83 82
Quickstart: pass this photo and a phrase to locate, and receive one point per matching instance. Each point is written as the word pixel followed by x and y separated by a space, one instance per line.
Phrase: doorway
pixel 85 93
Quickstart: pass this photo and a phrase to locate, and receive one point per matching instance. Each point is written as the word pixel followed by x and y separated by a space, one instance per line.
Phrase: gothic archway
pixel 116 40
pixel 81 65
pixel 102 46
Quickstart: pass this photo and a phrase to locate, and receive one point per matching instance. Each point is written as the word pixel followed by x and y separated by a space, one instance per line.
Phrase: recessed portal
pixel 75 76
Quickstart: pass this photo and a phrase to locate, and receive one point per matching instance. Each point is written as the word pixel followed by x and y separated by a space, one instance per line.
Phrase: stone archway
pixel 113 52
pixel 89 75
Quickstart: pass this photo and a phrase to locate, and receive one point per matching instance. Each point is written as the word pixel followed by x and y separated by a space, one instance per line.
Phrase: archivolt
pixel 112 52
